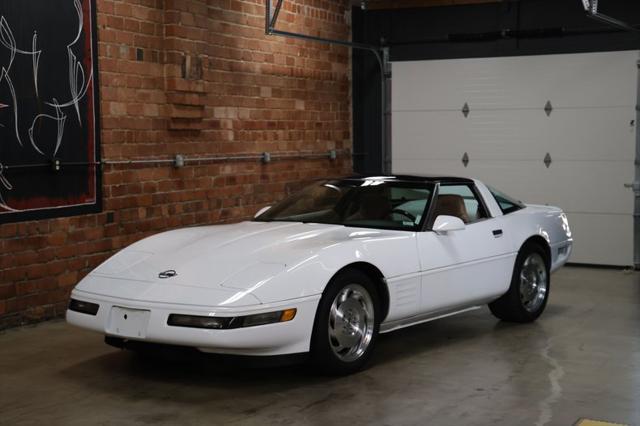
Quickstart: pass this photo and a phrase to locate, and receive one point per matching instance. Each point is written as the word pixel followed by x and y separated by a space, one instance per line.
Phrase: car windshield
pixel 368 203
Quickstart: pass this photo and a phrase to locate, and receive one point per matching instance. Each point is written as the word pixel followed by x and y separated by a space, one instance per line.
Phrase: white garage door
pixel 589 132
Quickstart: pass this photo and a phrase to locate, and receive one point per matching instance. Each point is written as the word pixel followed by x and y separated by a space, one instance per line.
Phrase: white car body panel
pixel 452 263
pixel 256 267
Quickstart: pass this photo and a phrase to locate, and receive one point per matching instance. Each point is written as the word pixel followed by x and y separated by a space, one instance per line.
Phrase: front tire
pixel 346 325
pixel 528 294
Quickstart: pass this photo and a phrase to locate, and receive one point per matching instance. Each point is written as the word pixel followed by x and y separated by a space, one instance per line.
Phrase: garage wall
pixel 196 78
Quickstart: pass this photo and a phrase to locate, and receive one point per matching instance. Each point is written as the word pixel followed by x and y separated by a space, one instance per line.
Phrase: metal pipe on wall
pixel 332 155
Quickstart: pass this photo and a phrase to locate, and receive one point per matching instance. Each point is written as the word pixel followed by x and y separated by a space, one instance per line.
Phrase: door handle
pixel 497 233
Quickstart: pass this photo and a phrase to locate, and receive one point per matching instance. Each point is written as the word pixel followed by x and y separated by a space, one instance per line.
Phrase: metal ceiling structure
pixel 591 7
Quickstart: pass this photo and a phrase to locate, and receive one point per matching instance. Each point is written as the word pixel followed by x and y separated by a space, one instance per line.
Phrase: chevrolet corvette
pixel 329 268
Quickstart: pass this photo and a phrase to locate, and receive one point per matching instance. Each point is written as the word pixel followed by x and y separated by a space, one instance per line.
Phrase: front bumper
pixel 271 339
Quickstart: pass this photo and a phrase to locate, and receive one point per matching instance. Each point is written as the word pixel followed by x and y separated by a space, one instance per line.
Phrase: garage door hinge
pixel 548 108
pixel 465 159
pixel 386 62
pixel 547 160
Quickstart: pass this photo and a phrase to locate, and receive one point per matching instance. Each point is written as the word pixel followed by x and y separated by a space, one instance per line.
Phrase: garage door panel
pixel 439 134
pixel 589 134
pixel 576 134
pixel 574 186
pixel 423 166
pixel 580 186
pixel 602 239
pixel 585 80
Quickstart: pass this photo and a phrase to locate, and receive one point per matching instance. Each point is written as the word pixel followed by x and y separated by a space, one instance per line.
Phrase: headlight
pixel 83 307
pixel 225 323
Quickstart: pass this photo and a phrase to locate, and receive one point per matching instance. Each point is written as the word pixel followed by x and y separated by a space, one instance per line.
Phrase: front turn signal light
pixel 288 315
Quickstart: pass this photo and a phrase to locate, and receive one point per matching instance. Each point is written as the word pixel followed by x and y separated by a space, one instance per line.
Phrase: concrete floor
pixel 581 359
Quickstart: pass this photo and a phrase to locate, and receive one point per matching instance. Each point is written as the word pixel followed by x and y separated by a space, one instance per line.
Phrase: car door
pixel 468 266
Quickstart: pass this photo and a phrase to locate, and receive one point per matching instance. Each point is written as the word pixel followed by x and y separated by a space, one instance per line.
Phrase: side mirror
pixel 262 210
pixel 446 223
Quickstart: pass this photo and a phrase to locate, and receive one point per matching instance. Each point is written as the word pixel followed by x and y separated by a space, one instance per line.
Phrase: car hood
pixel 238 256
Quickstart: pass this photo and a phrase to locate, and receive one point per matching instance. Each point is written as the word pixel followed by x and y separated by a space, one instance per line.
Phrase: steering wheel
pixel 405 213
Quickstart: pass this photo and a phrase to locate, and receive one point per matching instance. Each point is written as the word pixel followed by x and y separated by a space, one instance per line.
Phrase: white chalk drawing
pixel 1 107
pixel 80 81
pixel 76 71
pixel 35 59
pixel 5 76
pixel 7 40
pixel 60 118
pixel 4 182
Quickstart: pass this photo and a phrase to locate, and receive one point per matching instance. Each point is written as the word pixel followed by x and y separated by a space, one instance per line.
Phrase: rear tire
pixel 528 293
pixel 346 325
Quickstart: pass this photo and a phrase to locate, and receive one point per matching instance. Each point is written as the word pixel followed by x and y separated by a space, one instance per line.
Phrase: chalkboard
pixel 49 131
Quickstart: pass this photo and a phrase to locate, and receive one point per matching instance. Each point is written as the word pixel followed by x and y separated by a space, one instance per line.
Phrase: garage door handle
pixel 497 233
pixel 633 185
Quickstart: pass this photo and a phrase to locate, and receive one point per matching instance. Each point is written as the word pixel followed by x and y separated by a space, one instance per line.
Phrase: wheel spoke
pixel 336 345
pixel 338 315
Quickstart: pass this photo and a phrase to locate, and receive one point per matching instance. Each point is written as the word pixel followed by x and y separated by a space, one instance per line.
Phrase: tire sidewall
pixel 322 356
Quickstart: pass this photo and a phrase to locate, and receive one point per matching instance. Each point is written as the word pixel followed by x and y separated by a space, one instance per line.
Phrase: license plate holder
pixel 128 322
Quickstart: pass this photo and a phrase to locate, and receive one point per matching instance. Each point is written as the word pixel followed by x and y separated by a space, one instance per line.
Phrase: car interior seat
pixel 452 205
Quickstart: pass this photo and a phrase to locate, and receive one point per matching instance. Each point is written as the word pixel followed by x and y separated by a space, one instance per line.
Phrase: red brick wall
pixel 197 78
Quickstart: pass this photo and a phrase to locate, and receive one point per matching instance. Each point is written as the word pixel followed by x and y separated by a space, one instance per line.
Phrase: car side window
pixel 459 200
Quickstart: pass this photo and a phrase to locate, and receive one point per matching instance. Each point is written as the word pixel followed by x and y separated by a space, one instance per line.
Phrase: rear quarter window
pixel 507 204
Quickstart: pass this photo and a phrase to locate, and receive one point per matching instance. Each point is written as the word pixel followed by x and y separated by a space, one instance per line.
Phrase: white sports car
pixel 328 269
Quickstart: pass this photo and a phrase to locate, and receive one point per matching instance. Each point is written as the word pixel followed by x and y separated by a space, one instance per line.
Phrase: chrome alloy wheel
pixel 533 282
pixel 351 322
